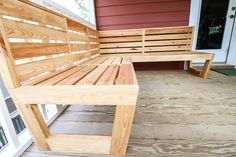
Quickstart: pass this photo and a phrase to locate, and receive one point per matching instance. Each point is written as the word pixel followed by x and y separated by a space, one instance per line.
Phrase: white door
pixel 215 25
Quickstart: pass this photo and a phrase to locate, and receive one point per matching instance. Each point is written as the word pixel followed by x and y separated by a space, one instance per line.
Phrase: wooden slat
pixel 15 29
pixel 93 32
pixel 94 46
pixel 77 76
pixel 117 33
pixel 78 47
pixel 80 144
pixel 58 78
pixel 168 30
pixel 67 94
pixel 126 75
pixel 117 45
pixel 93 39
pixel 126 60
pixel 121 50
pixel 109 60
pixel 172 36
pixel 167 42
pixel 72 25
pixel 93 77
pixel 117 60
pixel 27 50
pixel 77 37
pixel 121 39
pixel 45 77
pixel 94 52
pixel 31 69
pixel 168 48
pixel 109 76
pixel 18 9
pixel 99 60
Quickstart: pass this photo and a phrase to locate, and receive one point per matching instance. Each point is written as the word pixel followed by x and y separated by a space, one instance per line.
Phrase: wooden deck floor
pixel 177 115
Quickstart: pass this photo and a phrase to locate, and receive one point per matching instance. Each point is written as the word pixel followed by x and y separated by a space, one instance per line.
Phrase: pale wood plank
pixel 67 94
pixel 168 48
pixel 28 50
pixel 93 77
pixel 77 76
pixel 117 60
pixel 15 29
pixel 109 76
pixel 122 50
pixel 18 9
pixel 172 36
pixel 80 144
pixel 45 77
pixel 169 30
pixel 126 75
pixel 120 39
pixel 121 129
pixel 118 45
pixel 58 78
pixel 109 60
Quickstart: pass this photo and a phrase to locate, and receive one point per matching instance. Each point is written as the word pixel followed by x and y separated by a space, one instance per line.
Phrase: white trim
pixel 194 19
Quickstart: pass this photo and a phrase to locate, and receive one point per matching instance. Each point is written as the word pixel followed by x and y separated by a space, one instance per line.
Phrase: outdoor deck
pixel 177 114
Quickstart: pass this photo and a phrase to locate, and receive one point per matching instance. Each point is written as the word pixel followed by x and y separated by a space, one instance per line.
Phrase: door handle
pixel 231 16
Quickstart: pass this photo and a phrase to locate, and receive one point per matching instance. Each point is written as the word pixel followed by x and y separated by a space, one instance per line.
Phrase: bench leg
pixel 35 124
pixel 206 68
pixel 121 129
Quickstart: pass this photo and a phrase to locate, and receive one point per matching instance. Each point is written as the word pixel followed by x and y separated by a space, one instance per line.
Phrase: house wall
pixel 132 14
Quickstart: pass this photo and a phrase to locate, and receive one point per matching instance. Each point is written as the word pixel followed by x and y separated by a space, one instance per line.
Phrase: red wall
pixel 128 14
pixel 131 14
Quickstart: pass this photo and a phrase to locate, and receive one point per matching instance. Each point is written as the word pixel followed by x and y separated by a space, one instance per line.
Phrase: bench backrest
pixel 37 41
pixel 150 40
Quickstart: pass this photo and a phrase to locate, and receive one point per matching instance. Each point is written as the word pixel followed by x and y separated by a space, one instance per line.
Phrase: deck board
pixel 177 115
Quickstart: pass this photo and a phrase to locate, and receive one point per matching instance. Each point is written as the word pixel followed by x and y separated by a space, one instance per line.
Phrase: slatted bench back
pixel 166 39
pixel 38 41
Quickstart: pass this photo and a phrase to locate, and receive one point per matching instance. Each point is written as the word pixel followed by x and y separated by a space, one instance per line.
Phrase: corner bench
pixel 47 58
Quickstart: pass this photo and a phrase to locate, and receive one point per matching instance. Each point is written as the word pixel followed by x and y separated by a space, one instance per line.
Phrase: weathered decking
pixel 177 114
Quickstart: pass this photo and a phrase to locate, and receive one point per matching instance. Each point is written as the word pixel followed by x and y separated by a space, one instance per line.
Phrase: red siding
pixel 129 14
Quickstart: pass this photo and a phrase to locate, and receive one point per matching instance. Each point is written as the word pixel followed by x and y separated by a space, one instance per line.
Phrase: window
pixel 80 10
pixel 3 138
pixel 212 24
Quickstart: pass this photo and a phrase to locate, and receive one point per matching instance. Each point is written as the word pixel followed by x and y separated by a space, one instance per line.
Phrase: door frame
pixel 194 20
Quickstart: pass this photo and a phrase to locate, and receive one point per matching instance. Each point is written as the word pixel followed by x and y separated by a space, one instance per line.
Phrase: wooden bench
pixel 47 58
pixel 155 45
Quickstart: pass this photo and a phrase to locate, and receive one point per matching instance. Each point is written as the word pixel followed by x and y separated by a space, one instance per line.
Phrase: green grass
pixel 229 72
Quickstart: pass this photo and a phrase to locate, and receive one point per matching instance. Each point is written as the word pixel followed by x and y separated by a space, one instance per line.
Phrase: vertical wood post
pixel 121 129
pixel 206 68
pixel 35 124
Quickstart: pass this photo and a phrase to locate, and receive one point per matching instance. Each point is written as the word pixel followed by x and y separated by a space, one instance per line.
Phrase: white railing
pixel 14 138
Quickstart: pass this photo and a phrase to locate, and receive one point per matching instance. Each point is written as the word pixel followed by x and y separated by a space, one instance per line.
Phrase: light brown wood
pixel 206 68
pixel 28 50
pixel 121 129
pixel 80 144
pixel 21 10
pixel 109 76
pixel 83 94
pixel 15 29
pixel 34 122
pixel 77 76
pixel 7 69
